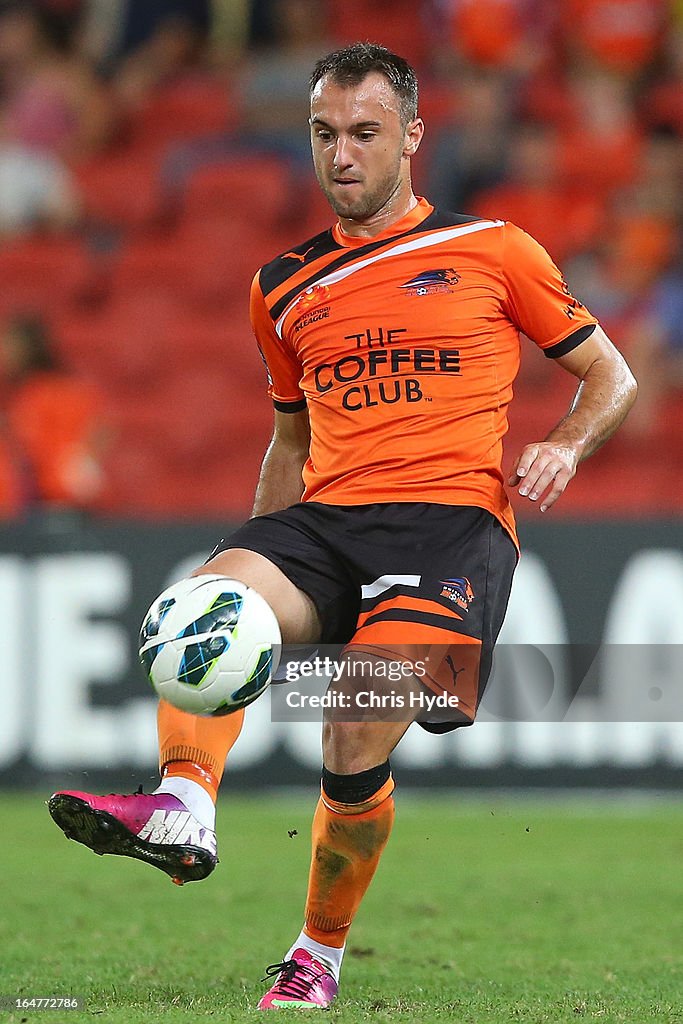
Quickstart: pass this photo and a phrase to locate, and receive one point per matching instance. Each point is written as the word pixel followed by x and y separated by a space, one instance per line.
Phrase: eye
pixel 366 136
pixel 323 134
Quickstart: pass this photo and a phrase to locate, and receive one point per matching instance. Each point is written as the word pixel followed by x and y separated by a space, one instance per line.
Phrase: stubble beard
pixel 365 206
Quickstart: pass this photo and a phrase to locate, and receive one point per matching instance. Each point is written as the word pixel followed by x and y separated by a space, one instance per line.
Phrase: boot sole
pixel 102 833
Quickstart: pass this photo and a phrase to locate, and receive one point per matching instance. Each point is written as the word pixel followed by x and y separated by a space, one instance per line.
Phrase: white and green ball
pixel 210 645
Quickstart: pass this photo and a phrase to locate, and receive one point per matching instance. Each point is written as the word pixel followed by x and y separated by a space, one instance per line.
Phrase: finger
pixel 553 478
pixel 555 474
pixel 543 481
pixel 523 464
pixel 538 467
pixel 558 488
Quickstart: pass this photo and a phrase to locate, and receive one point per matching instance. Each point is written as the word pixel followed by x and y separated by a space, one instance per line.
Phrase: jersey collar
pixel 407 223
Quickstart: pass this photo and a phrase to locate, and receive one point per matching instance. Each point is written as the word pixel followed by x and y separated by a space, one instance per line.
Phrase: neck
pixel 399 203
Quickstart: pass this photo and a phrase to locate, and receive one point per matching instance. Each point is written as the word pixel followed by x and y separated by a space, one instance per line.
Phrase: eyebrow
pixel 358 124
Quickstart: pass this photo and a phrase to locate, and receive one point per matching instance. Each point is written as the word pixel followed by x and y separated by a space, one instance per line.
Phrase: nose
pixel 342 154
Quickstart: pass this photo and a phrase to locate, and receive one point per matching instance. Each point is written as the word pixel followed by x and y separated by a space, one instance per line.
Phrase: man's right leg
pixel 173 828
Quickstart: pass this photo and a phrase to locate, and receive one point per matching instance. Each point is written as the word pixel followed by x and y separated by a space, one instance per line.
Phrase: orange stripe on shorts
pixel 409 633
pixel 419 604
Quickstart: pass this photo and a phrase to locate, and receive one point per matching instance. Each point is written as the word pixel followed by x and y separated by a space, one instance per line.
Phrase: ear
pixel 413 137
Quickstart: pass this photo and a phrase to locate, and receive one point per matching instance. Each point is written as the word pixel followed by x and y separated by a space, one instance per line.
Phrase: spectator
pixel 513 35
pixel 601 143
pixel 624 37
pixel 633 285
pixel 53 112
pixel 535 198
pixel 53 432
pixel 142 21
pixel 173 49
pixel 471 154
pixel 272 90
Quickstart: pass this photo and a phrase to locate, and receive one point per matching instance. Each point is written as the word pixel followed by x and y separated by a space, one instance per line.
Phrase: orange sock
pixel 194 747
pixel 348 840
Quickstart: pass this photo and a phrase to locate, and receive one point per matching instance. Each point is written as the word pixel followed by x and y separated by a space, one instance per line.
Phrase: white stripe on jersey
pixel 412 245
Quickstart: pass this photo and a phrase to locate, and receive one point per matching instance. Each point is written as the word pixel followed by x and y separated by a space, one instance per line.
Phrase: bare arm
pixel 280 484
pixel 606 393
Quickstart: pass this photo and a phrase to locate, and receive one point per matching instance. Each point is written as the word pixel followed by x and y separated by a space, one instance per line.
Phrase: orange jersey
pixel 404 347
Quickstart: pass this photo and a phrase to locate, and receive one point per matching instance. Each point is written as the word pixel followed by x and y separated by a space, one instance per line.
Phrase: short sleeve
pixel 538 299
pixel 282 365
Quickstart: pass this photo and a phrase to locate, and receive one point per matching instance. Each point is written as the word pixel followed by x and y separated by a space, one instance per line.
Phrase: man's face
pixel 361 149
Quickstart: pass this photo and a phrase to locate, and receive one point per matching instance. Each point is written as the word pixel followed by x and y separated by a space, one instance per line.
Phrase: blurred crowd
pixel 153 154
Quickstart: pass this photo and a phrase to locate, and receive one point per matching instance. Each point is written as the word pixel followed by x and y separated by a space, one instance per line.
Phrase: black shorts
pixel 399 579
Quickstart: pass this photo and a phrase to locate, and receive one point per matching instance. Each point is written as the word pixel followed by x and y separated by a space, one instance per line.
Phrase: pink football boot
pixel 302 982
pixel 155 828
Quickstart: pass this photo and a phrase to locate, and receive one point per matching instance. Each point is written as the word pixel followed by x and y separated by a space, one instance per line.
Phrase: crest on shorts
pixel 459 591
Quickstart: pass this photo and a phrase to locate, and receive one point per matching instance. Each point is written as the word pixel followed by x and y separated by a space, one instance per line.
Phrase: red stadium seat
pixel 122 189
pixel 206 417
pixel 192 447
pixel 399 25
pixel 185 109
pixel 252 189
pixel 206 264
pixel 126 345
pixel 42 273
pixel 222 341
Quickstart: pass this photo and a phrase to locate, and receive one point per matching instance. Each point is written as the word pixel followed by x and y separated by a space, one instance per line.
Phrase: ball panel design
pixel 210 645
pixel 222 613
pixel 198 660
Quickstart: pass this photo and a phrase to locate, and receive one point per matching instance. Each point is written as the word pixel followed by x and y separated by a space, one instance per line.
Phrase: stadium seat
pixel 41 273
pixel 126 344
pixel 122 189
pixel 400 25
pixel 209 417
pixel 222 341
pixel 253 189
pixel 208 264
pixel 192 447
pixel 195 105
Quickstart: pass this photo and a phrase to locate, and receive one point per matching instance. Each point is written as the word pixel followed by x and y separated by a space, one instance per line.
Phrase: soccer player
pixel 381 518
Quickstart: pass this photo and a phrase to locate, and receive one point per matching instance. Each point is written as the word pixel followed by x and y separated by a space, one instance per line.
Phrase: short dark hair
pixel 349 66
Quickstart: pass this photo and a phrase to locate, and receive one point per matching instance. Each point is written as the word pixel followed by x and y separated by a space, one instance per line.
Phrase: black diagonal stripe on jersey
pixel 408 615
pixel 276 272
pixel 433 222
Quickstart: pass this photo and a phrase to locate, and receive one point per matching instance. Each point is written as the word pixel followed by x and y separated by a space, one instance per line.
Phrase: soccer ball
pixel 210 645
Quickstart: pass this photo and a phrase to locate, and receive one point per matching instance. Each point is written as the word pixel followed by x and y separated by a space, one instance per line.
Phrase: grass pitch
pixel 481 912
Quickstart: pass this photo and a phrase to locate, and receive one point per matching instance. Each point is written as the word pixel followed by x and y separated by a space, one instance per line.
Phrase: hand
pixel 541 466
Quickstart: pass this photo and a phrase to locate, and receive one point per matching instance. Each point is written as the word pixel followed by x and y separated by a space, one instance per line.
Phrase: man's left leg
pixel 351 827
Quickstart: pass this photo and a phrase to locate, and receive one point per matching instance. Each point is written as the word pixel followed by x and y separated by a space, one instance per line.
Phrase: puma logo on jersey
pixel 296 255
pixel 179 827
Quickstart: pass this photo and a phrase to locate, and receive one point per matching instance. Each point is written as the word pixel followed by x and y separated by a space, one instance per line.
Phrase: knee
pixel 347 748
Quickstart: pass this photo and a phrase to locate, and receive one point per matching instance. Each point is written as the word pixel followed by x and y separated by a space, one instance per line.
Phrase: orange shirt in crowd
pixel 52 419
pixel 404 348
pixel 487 31
pixel 623 35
